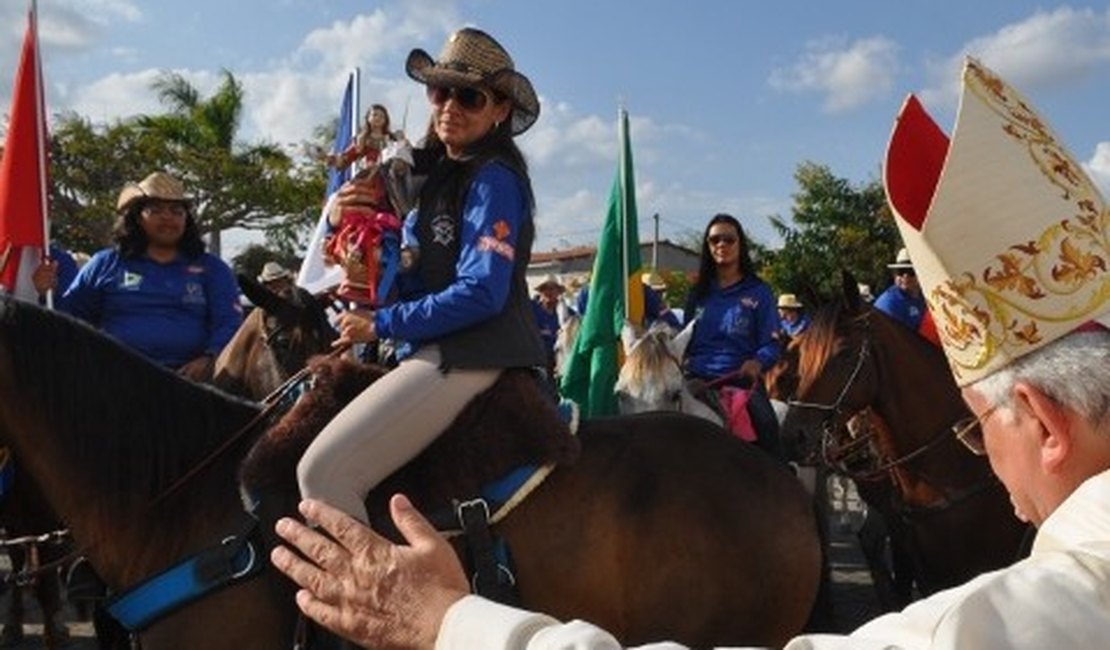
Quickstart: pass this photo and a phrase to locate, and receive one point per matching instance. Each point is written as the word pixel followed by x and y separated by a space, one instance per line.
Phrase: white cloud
pixel 1048 48
pixel 848 75
pixel 1099 167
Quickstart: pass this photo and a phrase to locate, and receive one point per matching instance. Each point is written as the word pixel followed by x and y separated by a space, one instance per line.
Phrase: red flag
pixel 23 169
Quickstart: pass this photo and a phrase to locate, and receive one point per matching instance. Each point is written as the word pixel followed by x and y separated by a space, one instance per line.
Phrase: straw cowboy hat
pixel 273 271
pixel 654 280
pixel 159 185
pixel 472 57
pixel 789 301
pixel 1007 231
pixel 902 260
pixel 550 280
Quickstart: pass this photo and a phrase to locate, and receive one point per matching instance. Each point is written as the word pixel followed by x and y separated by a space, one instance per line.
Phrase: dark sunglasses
pixel 909 272
pixel 727 240
pixel 467 97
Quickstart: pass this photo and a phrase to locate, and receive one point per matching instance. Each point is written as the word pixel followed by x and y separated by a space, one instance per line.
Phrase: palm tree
pixel 219 172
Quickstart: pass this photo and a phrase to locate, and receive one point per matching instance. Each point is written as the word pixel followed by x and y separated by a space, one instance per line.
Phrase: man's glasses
pixel 910 272
pixel 467 97
pixel 969 431
pixel 165 209
pixel 727 240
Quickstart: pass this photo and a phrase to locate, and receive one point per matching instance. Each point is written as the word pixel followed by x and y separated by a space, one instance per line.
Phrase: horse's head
pixel 651 378
pixel 274 342
pixel 836 373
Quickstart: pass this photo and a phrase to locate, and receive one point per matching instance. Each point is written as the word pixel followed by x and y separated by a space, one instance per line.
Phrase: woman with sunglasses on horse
pixel 733 341
pixel 464 314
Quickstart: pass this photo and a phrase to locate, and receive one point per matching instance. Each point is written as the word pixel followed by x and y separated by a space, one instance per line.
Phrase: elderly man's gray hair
pixel 1073 371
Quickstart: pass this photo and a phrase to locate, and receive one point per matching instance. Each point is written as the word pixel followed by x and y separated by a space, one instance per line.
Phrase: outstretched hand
pixel 363 587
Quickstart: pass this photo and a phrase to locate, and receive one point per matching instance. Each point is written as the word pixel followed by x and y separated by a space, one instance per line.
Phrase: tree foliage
pixel 234 185
pixel 834 226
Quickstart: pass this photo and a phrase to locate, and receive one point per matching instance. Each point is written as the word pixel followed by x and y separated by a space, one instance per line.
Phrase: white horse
pixel 651 378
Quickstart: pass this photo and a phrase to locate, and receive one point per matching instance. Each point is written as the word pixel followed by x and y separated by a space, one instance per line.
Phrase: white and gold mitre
pixel 1008 235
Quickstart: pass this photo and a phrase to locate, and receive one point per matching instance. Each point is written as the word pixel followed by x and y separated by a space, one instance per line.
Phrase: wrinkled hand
pixel 355 326
pixel 198 370
pixel 45 276
pixel 363 587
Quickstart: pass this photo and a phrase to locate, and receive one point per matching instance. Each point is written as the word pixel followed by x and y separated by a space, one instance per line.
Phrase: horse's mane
pixel 644 372
pixel 830 326
pixel 132 427
pixel 822 340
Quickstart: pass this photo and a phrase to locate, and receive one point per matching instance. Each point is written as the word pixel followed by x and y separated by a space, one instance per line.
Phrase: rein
pixel 833 454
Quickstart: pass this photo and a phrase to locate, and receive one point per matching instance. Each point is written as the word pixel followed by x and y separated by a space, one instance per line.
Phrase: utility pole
pixel 655 245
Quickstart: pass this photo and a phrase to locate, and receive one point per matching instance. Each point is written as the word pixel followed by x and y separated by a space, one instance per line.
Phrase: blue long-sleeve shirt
pixel 901 306
pixel 735 324
pixel 170 312
pixel 494 209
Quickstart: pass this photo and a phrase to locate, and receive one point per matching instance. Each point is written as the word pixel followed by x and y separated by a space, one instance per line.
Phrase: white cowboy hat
pixel 654 280
pixel 550 280
pixel 159 185
pixel 789 301
pixel 902 260
pixel 273 271
pixel 472 57
pixel 1008 233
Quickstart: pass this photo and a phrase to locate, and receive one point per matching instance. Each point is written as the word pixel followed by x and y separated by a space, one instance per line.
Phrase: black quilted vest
pixel 508 340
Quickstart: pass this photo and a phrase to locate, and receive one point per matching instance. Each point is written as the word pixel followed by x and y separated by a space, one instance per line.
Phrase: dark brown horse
pixel 912 468
pixel 275 341
pixel 664 528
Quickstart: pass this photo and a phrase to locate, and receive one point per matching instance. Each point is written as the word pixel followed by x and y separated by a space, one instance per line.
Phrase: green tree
pixel 256 187
pixel 834 226
pixel 89 165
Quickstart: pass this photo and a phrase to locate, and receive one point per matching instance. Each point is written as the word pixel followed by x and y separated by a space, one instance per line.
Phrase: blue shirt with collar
pixel 170 312
pixel 901 306
pixel 495 207
pixel 735 324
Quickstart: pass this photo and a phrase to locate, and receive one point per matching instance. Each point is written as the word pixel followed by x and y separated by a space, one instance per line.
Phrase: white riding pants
pixel 386 426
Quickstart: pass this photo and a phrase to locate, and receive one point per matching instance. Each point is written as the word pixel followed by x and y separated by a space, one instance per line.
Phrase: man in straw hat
pixel 903 300
pixel 545 308
pixel 792 318
pixel 157 290
pixel 1010 240
pixel 277 279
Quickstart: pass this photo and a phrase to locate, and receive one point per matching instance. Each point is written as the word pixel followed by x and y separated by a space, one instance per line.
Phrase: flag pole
pixel 40 139
pixel 621 165
pixel 356 117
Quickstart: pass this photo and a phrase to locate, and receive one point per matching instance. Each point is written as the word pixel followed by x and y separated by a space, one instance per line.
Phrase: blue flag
pixel 343 136
pixel 314 274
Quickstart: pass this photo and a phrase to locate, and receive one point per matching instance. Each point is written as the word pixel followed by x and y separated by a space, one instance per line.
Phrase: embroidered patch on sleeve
pixel 496 242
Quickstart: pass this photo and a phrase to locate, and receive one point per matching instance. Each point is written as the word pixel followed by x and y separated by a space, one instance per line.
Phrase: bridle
pixel 836 454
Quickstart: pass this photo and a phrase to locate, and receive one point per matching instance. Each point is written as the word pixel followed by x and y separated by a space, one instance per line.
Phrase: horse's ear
pixel 811 299
pixel 850 289
pixel 630 338
pixel 264 299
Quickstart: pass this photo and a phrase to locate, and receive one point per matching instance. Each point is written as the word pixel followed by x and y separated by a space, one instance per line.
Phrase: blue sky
pixel 726 97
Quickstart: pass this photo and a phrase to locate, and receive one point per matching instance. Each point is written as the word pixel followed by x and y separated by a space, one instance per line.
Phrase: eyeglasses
pixel 910 272
pixel 969 431
pixel 467 97
pixel 727 240
pixel 167 209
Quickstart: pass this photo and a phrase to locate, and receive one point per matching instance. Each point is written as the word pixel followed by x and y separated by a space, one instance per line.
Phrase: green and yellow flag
pixel 616 294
